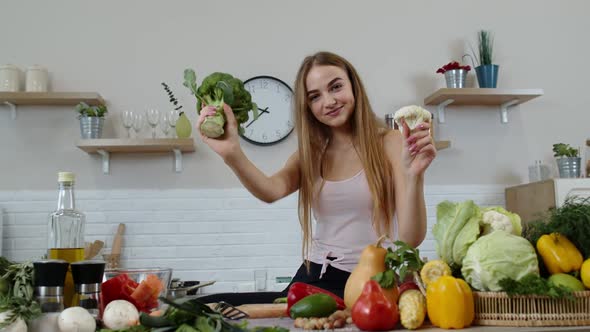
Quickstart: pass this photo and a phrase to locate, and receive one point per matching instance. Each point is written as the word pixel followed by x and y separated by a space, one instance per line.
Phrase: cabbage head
pixel 496 256
pixel 456 228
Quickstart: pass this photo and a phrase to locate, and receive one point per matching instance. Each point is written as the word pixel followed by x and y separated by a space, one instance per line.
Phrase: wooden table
pixel 288 323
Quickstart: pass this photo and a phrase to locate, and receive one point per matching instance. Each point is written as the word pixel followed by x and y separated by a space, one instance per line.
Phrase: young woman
pixel 358 179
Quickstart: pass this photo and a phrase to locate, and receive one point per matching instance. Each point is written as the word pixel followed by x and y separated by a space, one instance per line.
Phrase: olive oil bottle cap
pixel 66 177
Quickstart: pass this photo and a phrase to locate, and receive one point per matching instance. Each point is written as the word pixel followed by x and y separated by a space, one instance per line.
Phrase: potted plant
pixel 568 160
pixel 486 71
pixel 91 119
pixel 455 74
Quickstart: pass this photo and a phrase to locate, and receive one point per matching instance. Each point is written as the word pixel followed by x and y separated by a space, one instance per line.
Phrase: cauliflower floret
pixel 496 221
pixel 413 115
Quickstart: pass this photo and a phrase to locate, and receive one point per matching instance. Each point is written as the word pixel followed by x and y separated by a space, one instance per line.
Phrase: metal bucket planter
pixel 456 78
pixel 91 127
pixel 569 167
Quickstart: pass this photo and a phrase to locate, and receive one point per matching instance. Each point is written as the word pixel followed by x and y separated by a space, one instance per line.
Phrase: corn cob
pixel 433 270
pixel 412 309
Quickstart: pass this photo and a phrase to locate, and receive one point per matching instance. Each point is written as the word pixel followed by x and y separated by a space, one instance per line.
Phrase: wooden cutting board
pixel 265 310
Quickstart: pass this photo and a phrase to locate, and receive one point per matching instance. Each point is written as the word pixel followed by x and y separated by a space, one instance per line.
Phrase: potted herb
pixel 91 119
pixel 486 71
pixel 568 160
pixel 455 74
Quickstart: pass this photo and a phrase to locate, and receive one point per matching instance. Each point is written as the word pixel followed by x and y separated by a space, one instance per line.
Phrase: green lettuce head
pixel 496 256
pixel 456 228
pixel 497 218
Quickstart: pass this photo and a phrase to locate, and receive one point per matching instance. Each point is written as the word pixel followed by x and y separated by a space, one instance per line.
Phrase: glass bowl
pixel 140 286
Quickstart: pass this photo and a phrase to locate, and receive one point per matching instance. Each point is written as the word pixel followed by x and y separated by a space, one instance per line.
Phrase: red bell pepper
pixel 299 290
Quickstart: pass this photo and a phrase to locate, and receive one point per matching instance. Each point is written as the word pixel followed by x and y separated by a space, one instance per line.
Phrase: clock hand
pixel 262 111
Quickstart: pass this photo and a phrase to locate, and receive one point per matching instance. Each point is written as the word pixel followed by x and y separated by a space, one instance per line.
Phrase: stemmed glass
pixel 174 115
pixel 127 117
pixel 165 124
pixel 137 123
pixel 153 117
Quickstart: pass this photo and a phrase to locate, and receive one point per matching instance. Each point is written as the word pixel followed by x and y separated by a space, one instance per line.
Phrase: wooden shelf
pixel 51 98
pixel 588 142
pixel 137 145
pixel 488 97
pixel 106 146
pixel 440 145
pixel 13 99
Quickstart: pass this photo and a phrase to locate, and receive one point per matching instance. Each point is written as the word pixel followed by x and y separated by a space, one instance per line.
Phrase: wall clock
pixel 275 120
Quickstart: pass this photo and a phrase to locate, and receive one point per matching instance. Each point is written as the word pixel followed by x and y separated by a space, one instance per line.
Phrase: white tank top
pixel 343 212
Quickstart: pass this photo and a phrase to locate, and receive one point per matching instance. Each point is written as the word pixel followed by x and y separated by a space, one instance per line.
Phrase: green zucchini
pixel 315 305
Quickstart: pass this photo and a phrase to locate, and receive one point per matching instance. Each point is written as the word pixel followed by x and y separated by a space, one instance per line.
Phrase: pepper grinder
pixel 87 280
pixel 50 276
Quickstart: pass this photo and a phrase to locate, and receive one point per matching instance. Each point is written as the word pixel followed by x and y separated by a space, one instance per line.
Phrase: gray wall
pixel 124 49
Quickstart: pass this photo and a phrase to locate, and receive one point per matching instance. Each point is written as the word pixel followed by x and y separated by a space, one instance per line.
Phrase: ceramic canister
pixel 9 78
pixel 37 79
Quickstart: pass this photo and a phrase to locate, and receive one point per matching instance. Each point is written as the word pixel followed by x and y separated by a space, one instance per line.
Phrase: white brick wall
pixel 218 235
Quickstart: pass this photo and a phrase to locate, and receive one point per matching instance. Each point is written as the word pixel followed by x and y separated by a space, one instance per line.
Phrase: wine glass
pixel 127 117
pixel 174 115
pixel 137 123
pixel 165 124
pixel 153 117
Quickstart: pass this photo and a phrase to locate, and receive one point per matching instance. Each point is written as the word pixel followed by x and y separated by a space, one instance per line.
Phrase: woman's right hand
pixel 227 145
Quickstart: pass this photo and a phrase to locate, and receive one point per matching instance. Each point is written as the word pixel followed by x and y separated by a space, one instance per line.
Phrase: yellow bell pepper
pixel 449 303
pixel 559 254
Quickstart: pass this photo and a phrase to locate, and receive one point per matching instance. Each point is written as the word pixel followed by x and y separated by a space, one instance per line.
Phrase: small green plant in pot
pixel 568 160
pixel 91 119
pixel 486 71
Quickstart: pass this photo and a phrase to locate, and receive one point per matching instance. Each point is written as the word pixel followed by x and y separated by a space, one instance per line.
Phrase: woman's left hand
pixel 418 150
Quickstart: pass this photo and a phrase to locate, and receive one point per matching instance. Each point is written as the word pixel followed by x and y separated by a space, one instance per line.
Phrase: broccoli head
pixel 215 90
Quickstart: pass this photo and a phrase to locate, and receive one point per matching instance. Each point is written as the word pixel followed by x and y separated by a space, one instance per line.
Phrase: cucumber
pixel 315 305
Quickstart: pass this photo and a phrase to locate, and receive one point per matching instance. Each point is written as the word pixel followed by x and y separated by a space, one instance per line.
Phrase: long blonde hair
pixel 367 137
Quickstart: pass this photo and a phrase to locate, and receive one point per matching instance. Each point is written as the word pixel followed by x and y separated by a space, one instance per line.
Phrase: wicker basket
pixel 498 309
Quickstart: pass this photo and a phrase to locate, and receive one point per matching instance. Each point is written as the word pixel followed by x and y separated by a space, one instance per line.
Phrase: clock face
pixel 275 112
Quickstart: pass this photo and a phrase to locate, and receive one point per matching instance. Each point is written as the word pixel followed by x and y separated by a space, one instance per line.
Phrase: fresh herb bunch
pixel 171 96
pixel 532 284
pixel 572 220
pixel 84 109
pixel 486 47
pixel 19 298
pixel 404 260
pixel 564 150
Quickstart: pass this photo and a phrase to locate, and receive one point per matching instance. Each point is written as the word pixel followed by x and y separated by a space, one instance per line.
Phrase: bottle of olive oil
pixel 66 231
